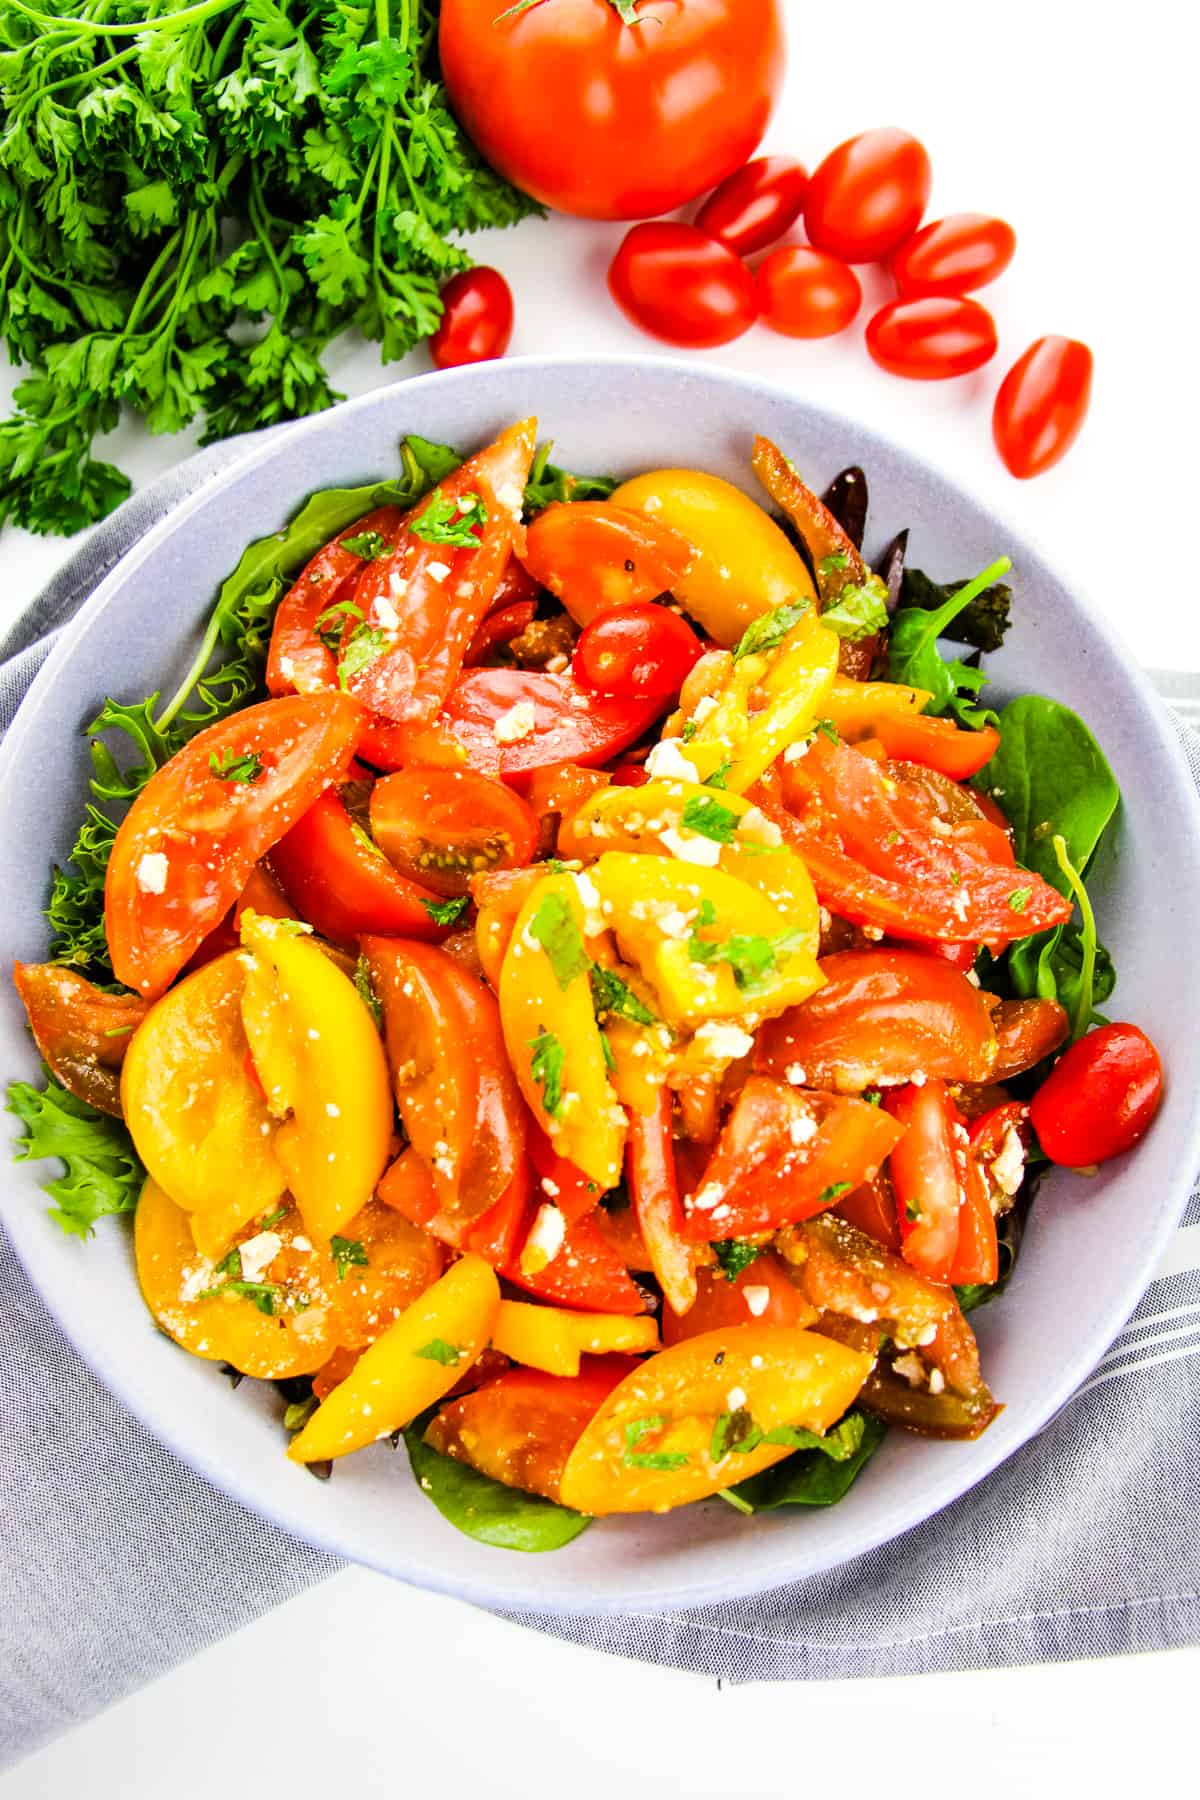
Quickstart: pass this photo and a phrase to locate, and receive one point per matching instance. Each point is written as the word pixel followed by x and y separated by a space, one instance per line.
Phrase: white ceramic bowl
pixel 1090 1248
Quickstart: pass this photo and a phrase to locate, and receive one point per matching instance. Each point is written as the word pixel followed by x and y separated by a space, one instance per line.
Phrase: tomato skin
pixel 559 1180
pixel 636 651
pixel 954 255
pixel 805 293
pixel 656 1205
pixel 549 94
pixel 1100 1099
pixel 938 744
pixel 1042 405
pixel 497 629
pixel 881 1015
pixel 977 1253
pixel 925 1175
pixel 721 1302
pixel 868 195
pixel 477 319
pixel 932 339
pixel 407 1186
pixel 210 832
pixel 81 1032
pixel 441 826
pixel 871 1208
pixel 681 286
pixel 1026 1031
pixel 755 206
pixel 594 556
pixel 588 1273
pixel 342 887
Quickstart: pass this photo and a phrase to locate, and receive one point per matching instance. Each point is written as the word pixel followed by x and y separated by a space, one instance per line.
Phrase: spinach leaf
pixel 982 623
pixel 487 1510
pixel 817 1476
pixel 915 660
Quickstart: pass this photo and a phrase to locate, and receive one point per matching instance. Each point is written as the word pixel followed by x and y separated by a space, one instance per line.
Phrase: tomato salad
pixel 586 984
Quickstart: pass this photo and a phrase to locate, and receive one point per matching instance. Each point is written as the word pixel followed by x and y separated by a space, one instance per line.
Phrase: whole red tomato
pixel 954 255
pixel 932 339
pixel 868 195
pixel 636 651
pixel 806 294
pixel 1100 1098
pixel 610 120
pixel 755 206
pixel 682 286
pixel 477 319
pixel 1042 404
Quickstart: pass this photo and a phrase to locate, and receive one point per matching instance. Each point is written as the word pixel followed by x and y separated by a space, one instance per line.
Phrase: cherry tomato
pixel 636 651
pixel 804 293
pixel 932 339
pixel 785 1155
pixel 1042 404
pixel 655 1191
pixel 610 120
pixel 441 826
pixel 477 319
pixel 565 724
pixel 1026 1031
pixel 881 1015
pixel 774 1299
pixel 563 788
pixel 343 885
pixel 81 1032
pixel 954 255
pixel 754 207
pixel 593 555
pixel 937 744
pixel 925 1174
pixel 187 845
pixel 1100 1098
pixel 868 195
pixel 682 286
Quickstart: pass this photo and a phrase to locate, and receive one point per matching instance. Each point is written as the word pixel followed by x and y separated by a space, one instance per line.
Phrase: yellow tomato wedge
pixel 551 1034
pixel 415 1362
pixel 552 1339
pixel 197 1119
pixel 669 1433
pixel 744 566
pixel 322 1063
pixel 282 1323
pixel 854 706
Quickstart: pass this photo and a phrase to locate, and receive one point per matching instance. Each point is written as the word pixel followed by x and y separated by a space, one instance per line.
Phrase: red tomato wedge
pixel 454 1086
pixel 298 661
pixel 407 1187
pixel 594 556
pixel 938 744
pixel 186 847
pixel 926 1175
pixel 588 1273
pixel 762 1294
pixel 875 859
pixel 521 1427
pixel 556 1179
pixel 81 1032
pixel 498 629
pixel 881 1016
pixel 542 720
pixel 785 1155
pixel 656 1204
pixel 872 1208
pixel 977 1255
pixel 343 886
pixel 426 599
pixel 440 827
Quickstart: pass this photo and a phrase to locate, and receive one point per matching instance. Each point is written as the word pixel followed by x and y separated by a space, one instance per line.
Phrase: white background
pixel 1075 123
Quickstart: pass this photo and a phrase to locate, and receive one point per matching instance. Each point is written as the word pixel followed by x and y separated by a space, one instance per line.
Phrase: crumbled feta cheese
pixel 397 586
pixel 802 1130
pixel 937 1381
pixel 973 978
pixel 918 1078
pixel 546 1237
pixel 721 1043
pixel 152 873
pixel 706 704
pixel 556 664
pixel 258 1253
pixel 438 571
pixel 796 1075
pixel 386 614
pixel 759 829
pixel 510 496
pixel 1008 1167
pixel 912 1369
pixel 332 1110
pixel 874 932
pixel 287 668
pixel 517 723
pixel 926 1336
pixel 196 1281
pixel 550 1187
pixel 794 752
pixel 757 1300
pixel 707 1197
pixel 666 762
pixel 735 1399
pixel 589 899
pixel 303 1245
pixel 691 847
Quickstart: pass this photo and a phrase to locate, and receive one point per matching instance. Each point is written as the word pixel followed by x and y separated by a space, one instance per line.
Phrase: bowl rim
pixel 1006 1436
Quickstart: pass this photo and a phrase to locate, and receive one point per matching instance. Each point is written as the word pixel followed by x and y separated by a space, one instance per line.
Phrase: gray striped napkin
pixel 122 1562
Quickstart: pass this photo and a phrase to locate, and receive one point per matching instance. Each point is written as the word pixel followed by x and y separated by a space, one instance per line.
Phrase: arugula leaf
pixel 915 661
pixel 547 484
pixel 101 1172
pixel 611 995
pixel 546 1067
pixel 487 1510
pixel 347 1253
pixel 983 622
pixel 736 1254
pixel 553 926
pixel 769 631
pixel 709 818
pixel 449 521
pixel 820 1474
pixel 447 912
pixel 859 612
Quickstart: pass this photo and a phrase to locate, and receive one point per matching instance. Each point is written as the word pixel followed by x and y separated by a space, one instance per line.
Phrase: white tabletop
pixel 1079 132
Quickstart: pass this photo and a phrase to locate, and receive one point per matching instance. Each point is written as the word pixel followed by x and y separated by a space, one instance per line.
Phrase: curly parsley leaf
pixel 447 912
pixel 735 1254
pixel 101 1172
pixel 709 818
pixel 451 521
pixel 347 1253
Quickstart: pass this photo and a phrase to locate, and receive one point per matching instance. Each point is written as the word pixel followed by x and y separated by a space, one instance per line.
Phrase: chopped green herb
pixel 872 1096
pixel 439 1351
pixel 554 927
pixel 331 625
pixel 365 645
pixel 689 731
pixel 736 1254
pixel 752 958
pixel 231 767
pixel 708 818
pixel 656 1459
pixel 733 1431
pixel 637 1429
pixel 912 1211
pixel 827 729
pixel 611 995
pixel 366 989
pixel 362 836
pixel 449 521
pixel 707 914
pixel 261 1294
pixel 367 544
pixel 347 1253
pixel 829 565
pixel 271 1219
pixel 447 912
pixel 118 1031
pixel 546 1066
pixel 833 1192
pixel 769 631
pixel 859 612
pixel 606 1049
pixel 720 775
pixel 1019 899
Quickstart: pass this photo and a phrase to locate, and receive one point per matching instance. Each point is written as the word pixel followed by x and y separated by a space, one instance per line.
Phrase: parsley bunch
pixel 195 199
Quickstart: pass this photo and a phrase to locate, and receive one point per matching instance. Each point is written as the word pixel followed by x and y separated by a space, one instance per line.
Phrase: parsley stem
pixel 165 22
